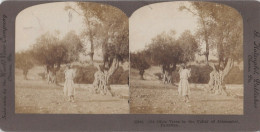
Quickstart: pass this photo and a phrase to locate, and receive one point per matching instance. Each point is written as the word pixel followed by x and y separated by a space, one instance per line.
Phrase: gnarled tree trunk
pixel 216 82
pixel 167 74
pixel 51 73
pixel 91 54
pixel 25 72
pixel 101 83
pixel 141 72
pixel 167 77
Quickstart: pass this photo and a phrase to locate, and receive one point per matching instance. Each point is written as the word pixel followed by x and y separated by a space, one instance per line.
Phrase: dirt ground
pixel 36 96
pixel 148 96
pixel 151 96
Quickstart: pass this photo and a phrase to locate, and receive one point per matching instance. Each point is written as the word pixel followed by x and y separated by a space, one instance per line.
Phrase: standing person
pixel 180 70
pixel 69 89
pixel 183 88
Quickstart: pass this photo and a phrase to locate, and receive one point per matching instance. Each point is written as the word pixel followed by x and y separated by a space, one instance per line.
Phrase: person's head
pixel 182 66
pixel 68 66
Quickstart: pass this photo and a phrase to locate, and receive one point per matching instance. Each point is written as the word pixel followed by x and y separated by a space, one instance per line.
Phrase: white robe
pixel 183 87
pixel 69 88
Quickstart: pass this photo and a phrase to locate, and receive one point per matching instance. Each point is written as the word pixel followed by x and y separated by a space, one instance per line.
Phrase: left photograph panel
pixel 71 58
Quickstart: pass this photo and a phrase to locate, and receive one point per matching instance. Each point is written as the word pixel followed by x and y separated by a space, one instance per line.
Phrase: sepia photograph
pixel 186 58
pixel 71 58
pixel 130 65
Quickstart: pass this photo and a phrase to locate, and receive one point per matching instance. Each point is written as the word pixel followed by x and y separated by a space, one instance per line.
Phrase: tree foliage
pixel 205 23
pixel 224 27
pixel 228 34
pixel 50 51
pixel 188 45
pixel 167 51
pixel 164 51
pixel 73 45
pixel 24 61
pixel 138 61
pixel 106 27
pixel 221 27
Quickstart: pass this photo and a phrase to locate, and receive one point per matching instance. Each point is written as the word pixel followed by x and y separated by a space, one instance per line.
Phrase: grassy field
pixel 36 96
pixel 153 97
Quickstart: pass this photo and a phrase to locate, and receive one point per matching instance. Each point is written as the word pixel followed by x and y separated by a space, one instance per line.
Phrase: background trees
pixel 138 61
pixel 24 61
pixel 89 12
pixel 73 46
pixel 200 9
pixel 223 25
pixel 189 46
pixel 106 29
pixel 51 52
pixel 166 51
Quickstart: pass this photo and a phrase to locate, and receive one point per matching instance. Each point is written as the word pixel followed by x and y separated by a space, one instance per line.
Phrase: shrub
pixel 235 76
pixel 159 75
pixel 200 74
pixel 85 75
pixel 119 77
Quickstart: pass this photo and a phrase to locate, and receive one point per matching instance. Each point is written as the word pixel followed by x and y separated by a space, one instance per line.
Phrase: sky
pixel 144 24
pixel 149 21
pixel 34 21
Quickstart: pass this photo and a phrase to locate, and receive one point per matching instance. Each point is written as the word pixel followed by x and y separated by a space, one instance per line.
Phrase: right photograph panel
pixel 186 58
